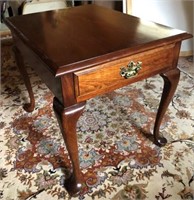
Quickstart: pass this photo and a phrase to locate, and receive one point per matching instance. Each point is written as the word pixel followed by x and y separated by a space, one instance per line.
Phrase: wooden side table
pixel 89 50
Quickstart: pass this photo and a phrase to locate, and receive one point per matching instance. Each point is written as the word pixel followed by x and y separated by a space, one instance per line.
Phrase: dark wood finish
pixel 78 53
pixel 171 79
pixel 29 107
pixel 67 118
pixel 81 37
pixel 46 75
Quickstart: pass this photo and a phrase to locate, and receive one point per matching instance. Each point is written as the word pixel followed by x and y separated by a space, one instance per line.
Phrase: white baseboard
pixel 186 53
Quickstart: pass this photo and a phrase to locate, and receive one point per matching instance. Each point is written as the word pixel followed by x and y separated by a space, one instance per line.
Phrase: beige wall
pixel 175 13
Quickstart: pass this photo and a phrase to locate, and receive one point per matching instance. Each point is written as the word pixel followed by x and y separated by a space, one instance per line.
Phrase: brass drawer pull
pixel 131 70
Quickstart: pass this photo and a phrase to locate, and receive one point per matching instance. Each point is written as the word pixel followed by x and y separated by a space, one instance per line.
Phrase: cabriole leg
pixel 67 118
pixel 29 107
pixel 171 79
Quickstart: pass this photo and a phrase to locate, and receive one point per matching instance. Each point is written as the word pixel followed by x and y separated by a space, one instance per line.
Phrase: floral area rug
pixel 118 160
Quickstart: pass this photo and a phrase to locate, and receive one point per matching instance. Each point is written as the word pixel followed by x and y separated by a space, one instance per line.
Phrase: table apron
pixel 106 77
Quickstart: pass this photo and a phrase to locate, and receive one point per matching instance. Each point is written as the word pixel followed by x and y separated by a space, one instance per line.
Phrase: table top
pixel 80 37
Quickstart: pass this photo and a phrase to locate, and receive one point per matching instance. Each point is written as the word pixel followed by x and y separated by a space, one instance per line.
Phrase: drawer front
pixel 106 77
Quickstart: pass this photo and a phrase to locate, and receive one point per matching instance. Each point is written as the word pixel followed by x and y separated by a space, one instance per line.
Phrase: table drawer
pixel 106 77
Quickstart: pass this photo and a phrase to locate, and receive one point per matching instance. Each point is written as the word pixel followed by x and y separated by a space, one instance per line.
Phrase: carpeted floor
pixel 118 162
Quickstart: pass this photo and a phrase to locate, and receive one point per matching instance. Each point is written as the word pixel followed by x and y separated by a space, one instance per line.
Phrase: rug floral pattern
pixel 117 157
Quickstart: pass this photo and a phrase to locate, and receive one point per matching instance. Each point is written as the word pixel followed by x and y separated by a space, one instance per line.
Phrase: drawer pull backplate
pixel 131 70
